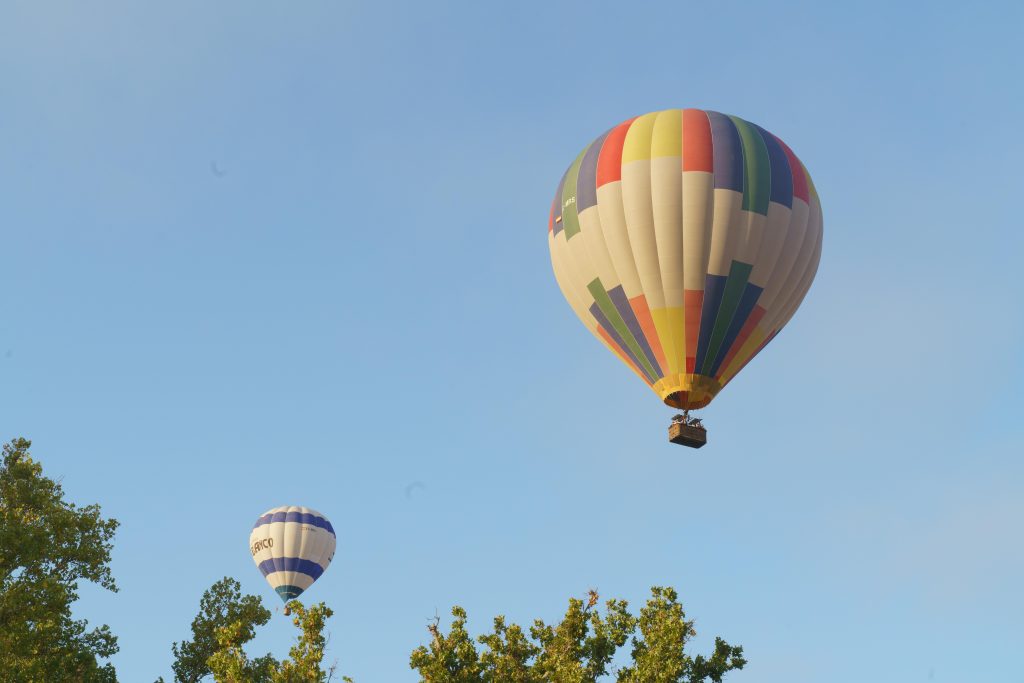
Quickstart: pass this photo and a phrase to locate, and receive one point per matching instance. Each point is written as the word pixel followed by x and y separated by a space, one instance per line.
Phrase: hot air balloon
pixel 685 240
pixel 292 546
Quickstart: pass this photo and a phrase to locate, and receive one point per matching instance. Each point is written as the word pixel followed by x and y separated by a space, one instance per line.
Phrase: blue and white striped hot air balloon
pixel 292 546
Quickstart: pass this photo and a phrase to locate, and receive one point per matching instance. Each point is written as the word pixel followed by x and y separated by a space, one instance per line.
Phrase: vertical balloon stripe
pixel 756 168
pixel 639 214
pixel 586 185
pixel 698 220
pixel 607 307
pixel 698 154
pixel 621 353
pixel 570 219
pixel 694 300
pixel 797 173
pixel 750 348
pixel 572 289
pixel 612 219
pixel 596 249
pixel 637 145
pixel 609 162
pixel 781 174
pixel 667 212
pixel 736 347
pixel 749 358
pixel 326 554
pixel 303 563
pixel 812 191
pixel 645 317
pixel 639 326
pixel 807 267
pixel 776 225
pixel 728 153
pixel 789 290
pixel 714 288
pixel 698 184
pixel 751 293
pixel 291 548
pixel 576 254
pixel 667 135
pixel 796 232
pixel 725 234
pixel 277 535
pixel 557 206
pixel 739 273
pixel 619 337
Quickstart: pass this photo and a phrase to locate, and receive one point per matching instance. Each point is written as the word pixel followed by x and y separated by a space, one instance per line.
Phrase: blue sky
pixel 265 253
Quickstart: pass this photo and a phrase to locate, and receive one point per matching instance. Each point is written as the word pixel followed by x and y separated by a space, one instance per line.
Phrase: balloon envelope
pixel 292 546
pixel 685 240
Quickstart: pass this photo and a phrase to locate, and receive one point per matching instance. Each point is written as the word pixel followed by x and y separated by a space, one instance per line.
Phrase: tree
pixel 579 649
pixel 48 545
pixel 227 621
pixel 222 606
pixel 307 655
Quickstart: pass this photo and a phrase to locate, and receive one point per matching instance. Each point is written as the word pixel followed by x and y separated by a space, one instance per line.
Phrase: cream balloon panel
pixel 780 313
pixel 580 300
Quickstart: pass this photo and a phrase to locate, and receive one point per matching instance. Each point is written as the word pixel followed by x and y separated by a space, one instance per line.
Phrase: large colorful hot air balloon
pixel 292 546
pixel 685 240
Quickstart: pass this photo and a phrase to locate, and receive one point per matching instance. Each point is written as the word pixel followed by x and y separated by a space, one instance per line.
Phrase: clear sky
pixel 258 254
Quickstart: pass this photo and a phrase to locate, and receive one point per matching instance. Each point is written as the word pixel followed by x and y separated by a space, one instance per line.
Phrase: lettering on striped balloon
pixel 262 544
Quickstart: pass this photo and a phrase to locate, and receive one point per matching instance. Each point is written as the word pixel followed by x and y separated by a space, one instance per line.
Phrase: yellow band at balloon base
pixel 687 391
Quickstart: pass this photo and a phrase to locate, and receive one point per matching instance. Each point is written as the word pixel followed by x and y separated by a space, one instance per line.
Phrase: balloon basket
pixel 687 435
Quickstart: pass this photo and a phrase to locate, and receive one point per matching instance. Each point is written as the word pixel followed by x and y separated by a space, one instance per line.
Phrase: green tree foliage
pixel 48 545
pixel 307 655
pixel 227 621
pixel 304 665
pixel 579 649
pixel 222 607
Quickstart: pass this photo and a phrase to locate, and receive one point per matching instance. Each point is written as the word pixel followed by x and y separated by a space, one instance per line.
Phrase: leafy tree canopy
pixel 48 545
pixel 304 664
pixel 227 621
pixel 579 649
pixel 222 606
